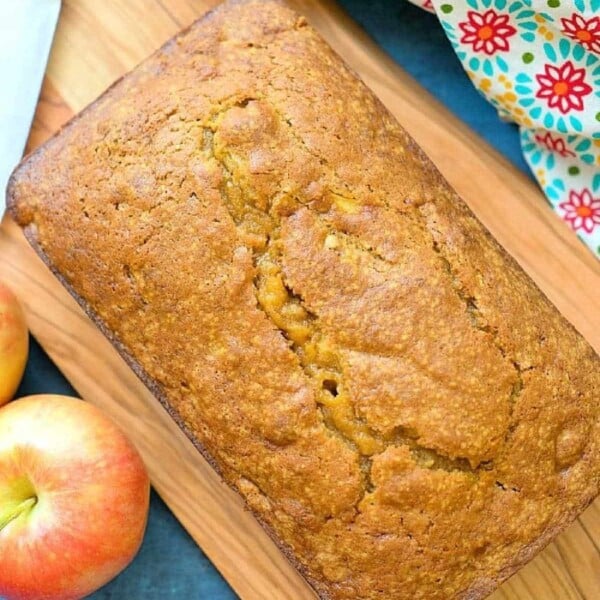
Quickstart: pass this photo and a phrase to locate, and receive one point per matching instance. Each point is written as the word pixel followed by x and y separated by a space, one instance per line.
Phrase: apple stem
pixel 16 511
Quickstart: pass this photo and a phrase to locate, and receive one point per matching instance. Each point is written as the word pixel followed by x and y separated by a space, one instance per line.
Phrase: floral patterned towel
pixel 538 63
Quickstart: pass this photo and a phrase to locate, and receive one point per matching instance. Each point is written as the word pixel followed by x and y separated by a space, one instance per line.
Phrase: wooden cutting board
pixel 99 41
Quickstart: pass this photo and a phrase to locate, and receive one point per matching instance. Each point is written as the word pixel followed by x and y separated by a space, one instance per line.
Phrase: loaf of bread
pixel 398 404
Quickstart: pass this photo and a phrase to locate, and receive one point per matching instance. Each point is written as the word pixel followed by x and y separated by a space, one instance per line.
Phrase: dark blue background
pixel 170 565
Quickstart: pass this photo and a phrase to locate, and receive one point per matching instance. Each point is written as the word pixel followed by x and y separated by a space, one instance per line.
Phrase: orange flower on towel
pixel 563 87
pixel 586 32
pixel 582 211
pixel 487 32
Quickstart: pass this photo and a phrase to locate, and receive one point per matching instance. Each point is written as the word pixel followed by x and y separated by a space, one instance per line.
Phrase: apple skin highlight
pixel 74 496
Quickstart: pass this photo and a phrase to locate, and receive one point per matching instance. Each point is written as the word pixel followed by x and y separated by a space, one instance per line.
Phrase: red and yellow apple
pixel 74 497
pixel 14 344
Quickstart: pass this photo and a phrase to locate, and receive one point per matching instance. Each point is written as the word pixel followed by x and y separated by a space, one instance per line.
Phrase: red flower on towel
pixel 586 32
pixel 582 211
pixel 563 87
pixel 487 32
pixel 554 144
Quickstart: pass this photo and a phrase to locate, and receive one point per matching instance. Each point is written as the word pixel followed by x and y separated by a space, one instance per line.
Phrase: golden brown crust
pixel 398 404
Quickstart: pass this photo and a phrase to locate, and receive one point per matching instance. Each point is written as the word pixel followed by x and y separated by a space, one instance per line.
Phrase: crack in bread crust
pixel 300 327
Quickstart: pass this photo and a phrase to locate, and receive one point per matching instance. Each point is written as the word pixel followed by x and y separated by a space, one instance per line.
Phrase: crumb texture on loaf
pixel 392 396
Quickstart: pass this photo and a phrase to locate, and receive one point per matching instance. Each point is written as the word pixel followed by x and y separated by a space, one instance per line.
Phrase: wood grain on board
pixel 97 42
